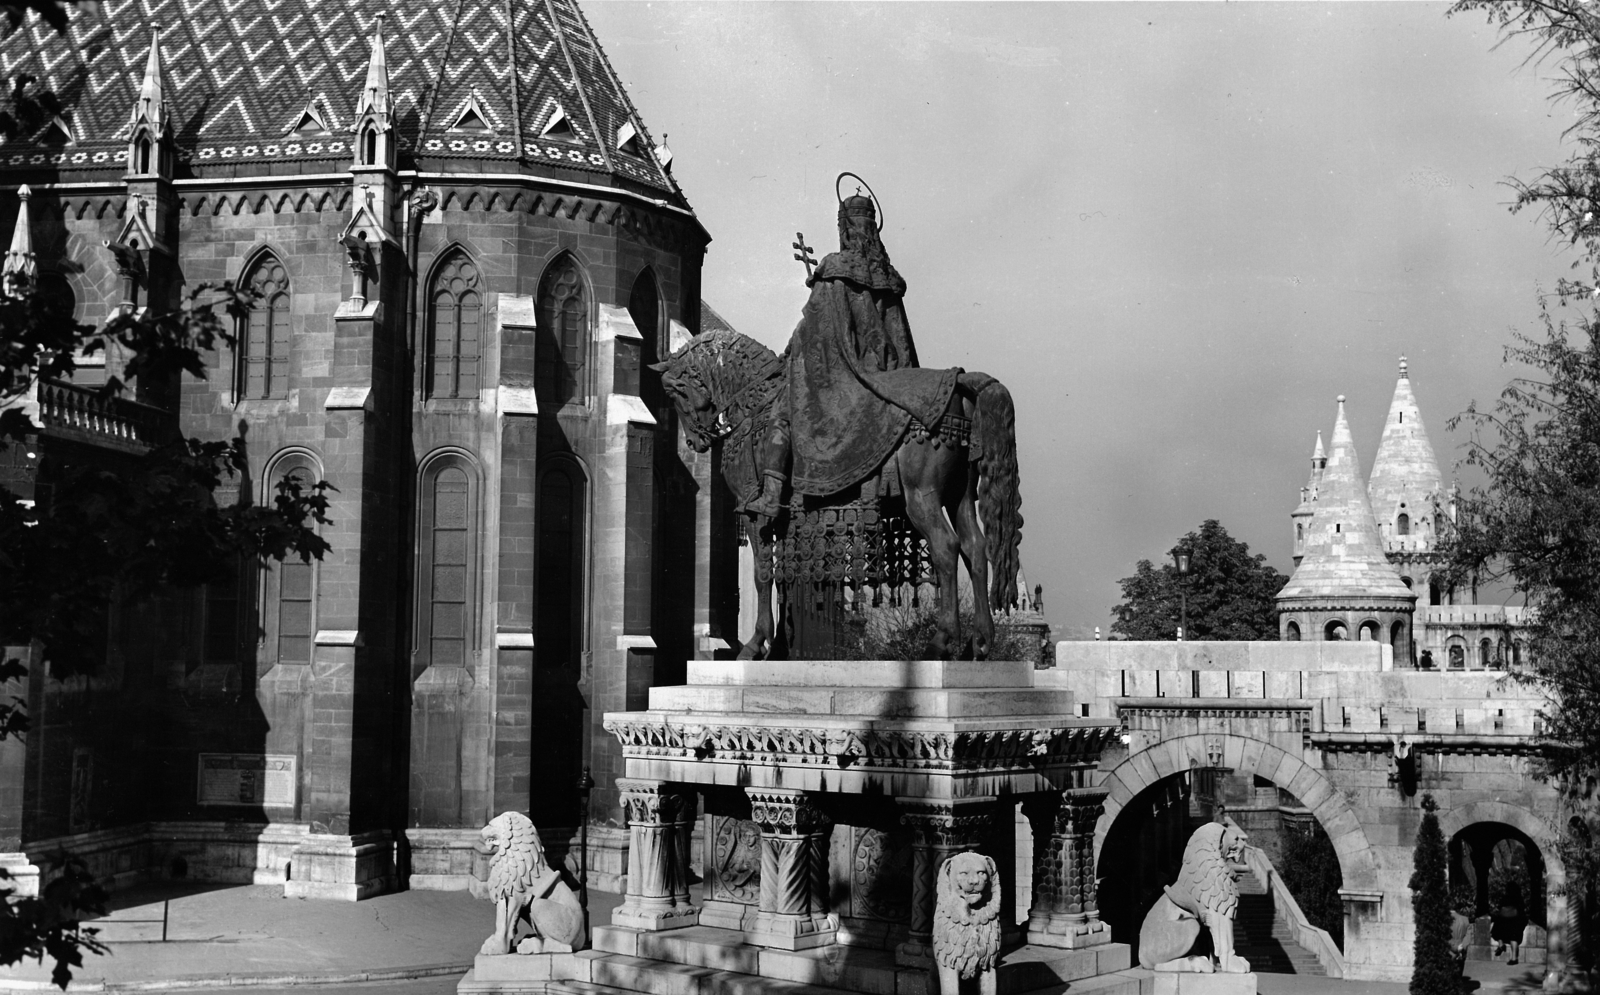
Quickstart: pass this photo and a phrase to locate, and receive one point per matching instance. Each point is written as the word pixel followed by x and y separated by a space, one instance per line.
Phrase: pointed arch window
pixel 293 604
pixel 266 341
pixel 447 588
pixel 455 317
pixel 1402 524
pixel 144 153
pixel 369 146
pixel 563 317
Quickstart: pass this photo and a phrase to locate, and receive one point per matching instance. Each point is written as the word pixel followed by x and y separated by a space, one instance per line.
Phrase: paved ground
pixel 413 943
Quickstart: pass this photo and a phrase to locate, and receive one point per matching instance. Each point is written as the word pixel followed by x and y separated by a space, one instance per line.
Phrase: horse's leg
pixel 964 513
pixel 759 645
pixel 924 472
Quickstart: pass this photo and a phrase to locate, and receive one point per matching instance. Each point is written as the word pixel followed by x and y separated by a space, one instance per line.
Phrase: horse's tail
pixel 994 443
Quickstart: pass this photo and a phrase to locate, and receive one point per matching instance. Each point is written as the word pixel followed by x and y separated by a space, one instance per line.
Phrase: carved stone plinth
pixel 348 868
pixel 659 823
pixel 938 831
pixel 1064 912
pixel 793 914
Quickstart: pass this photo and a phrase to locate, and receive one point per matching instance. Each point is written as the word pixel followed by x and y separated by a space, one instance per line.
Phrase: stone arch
pixel 1246 755
pixel 1543 835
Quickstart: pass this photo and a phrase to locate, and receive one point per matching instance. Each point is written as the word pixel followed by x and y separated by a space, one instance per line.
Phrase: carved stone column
pixel 1065 912
pixel 658 869
pixel 794 871
pixel 939 830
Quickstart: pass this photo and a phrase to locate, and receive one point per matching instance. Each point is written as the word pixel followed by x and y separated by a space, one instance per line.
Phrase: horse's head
pixel 704 378
pixel 686 385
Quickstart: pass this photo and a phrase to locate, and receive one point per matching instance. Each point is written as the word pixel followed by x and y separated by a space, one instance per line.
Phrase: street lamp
pixel 585 785
pixel 1181 558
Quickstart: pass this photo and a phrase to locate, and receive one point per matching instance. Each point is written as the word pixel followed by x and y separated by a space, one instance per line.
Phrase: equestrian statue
pixel 855 467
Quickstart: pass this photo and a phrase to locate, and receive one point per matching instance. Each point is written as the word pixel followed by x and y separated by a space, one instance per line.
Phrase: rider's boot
pixel 769 503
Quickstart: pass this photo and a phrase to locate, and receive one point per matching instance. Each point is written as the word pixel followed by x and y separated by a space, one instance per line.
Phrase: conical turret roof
pixel 1343 552
pixel 1405 474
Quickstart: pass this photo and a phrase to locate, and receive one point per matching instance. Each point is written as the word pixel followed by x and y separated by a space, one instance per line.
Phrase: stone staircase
pixel 704 960
pixel 1262 937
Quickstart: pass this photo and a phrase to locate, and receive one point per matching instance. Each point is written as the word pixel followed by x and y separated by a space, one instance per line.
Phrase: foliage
pixel 95 534
pixel 1231 594
pixel 1433 970
pixel 1535 520
pixel 907 632
pixel 1310 870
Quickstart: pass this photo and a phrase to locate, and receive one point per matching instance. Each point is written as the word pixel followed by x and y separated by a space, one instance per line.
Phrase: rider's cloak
pixel 854 383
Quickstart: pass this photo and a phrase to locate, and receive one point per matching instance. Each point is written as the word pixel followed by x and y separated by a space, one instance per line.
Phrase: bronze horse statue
pixel 948 478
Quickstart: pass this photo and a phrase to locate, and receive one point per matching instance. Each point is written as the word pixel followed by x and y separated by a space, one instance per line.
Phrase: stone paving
pixel 412 943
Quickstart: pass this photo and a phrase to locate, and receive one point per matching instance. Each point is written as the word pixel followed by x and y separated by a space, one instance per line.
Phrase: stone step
pixel 705 960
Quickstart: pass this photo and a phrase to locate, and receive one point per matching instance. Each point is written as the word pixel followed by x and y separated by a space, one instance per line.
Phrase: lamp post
pixel 1180 557
pixel 585 785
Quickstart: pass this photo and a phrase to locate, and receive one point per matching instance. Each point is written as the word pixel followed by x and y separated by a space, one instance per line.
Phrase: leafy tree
pixel 152 524
pixel 1433 966
pixel 1231 594
pixel 1533 522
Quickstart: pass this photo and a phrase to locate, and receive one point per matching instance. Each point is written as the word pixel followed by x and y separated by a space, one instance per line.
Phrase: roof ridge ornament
pixel 1404 375
pixel 150 105
pixel 374 97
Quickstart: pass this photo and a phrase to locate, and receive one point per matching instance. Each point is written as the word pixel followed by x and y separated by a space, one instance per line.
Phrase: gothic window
pixel 447 558
pixel 563 315
pixel 559 637
pixel 369 146
pixel 455 316
pixel 144 154
pixel 264 367
pixel 290 600
pixel 1402 524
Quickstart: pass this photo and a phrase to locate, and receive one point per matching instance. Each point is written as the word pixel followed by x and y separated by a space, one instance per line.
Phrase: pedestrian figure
pixel 1508 924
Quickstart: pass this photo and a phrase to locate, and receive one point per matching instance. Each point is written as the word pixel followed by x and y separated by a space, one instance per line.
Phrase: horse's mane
pixel 724 361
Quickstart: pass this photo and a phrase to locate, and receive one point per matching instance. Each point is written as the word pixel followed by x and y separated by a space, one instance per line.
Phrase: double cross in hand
pixel 803 252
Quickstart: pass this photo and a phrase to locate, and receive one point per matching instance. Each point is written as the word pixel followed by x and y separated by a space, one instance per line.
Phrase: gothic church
pixel 469 249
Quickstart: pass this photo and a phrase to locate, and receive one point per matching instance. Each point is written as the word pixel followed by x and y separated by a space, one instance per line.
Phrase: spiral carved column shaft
pixel 1065 911
pixel 794 871
pixel 659 821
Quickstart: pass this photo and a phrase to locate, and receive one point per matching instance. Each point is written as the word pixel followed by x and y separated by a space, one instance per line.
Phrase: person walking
pixel 1509 923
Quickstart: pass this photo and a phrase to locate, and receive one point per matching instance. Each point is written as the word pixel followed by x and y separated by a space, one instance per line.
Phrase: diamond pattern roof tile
pixel 237 75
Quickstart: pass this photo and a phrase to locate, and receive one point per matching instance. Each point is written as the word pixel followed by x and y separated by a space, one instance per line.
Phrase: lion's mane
pixel 519 861
pixel 1205 882
pixel 966 939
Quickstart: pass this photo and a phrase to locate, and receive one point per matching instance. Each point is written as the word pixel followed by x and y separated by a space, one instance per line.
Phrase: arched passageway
pixel 1477 834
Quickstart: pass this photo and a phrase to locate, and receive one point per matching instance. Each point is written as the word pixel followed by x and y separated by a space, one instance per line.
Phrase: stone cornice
pixel 1429 742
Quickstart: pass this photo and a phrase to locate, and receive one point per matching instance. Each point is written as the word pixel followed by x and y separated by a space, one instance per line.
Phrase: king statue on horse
pixel 856 467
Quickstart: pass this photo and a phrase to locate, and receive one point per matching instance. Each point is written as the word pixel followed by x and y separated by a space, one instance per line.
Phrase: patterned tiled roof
pixel 239 76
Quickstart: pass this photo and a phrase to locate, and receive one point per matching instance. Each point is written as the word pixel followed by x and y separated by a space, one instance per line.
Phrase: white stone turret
pixel 148 154
pixel 20 266
pixel 1301 516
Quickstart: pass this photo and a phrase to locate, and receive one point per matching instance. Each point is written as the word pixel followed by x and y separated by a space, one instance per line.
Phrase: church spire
pixel 374 124
pixel 20 265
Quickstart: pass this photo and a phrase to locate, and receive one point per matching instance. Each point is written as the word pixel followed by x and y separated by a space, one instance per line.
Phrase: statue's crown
pixel 857 205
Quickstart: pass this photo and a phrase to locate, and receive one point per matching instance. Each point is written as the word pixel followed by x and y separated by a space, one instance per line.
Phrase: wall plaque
pixel 247 779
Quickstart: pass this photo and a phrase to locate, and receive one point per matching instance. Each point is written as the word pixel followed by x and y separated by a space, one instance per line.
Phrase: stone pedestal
pixel 348 868
pixel 1188 983
pixel 22 879
pixel 793 914
pixel 1064 911
pixel 658 864
pixel 939 831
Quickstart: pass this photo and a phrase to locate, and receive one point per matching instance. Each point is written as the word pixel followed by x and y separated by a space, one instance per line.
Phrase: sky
pixel 1175 231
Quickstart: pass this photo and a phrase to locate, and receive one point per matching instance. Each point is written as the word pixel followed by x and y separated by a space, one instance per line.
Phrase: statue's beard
pixel 857 234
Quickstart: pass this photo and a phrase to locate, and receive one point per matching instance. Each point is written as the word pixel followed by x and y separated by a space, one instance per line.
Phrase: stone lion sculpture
pixel 966 923
pixel 1205 894
pixel 526 890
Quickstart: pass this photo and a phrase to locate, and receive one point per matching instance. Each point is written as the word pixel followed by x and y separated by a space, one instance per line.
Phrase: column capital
pixel 948 824
pixel 1079 810
pixel 785 810
pixel 650 802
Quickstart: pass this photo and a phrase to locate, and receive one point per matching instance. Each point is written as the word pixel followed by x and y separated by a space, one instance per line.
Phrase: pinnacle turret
pixel 1301 516
pixel 20 265
pixel 1343 553
pixel 374 97
pixel 1406 485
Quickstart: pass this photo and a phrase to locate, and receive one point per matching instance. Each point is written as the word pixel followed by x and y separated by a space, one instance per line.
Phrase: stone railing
pixel 1472 615
pixel 109 419
pixel 1313 938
